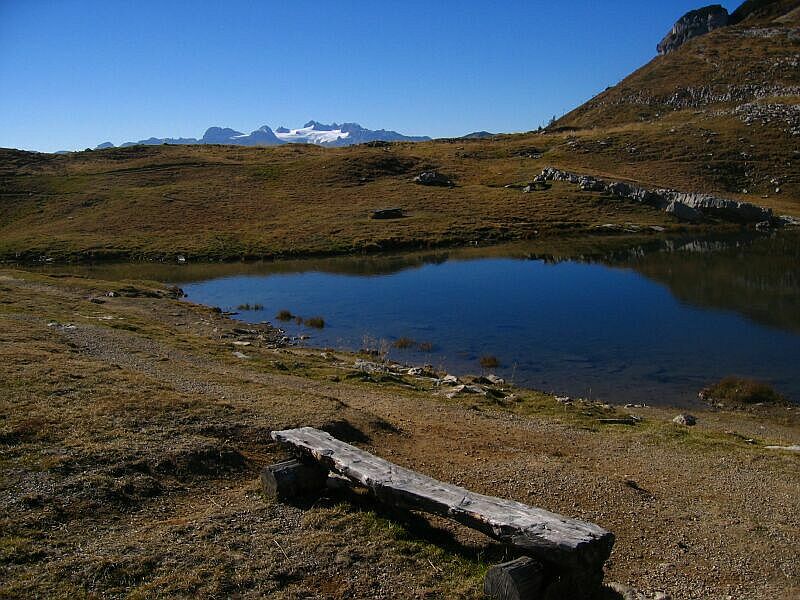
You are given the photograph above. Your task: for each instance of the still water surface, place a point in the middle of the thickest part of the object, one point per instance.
(652, 324)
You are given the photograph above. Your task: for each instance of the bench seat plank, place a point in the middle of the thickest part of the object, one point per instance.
(553, 538)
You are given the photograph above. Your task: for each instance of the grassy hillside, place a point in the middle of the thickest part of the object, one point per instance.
(721, 115)
(220, 201)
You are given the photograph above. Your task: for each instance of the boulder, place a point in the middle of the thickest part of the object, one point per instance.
(682, 212)
(590, 184)
(495, 380)
(448, 380)
(685, 419)
(463, 389)
(729, 210)
(619, 189)
(433, 178)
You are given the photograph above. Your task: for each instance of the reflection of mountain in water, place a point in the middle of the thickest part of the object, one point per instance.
(754, 275)
(759, 278)
(362, 266)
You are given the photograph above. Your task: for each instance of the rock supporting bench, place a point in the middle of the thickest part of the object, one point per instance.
(566, 556)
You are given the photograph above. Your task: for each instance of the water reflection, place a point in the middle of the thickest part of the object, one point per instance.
(755, 275)
(647, 323)
(650, 320)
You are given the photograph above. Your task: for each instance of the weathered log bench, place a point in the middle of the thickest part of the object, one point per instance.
(563, 557)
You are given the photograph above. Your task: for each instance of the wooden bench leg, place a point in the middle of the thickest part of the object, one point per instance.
(520, 579)
(292, 479)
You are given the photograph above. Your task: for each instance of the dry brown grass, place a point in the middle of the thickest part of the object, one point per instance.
(130, 449)
(315, 322)
(404, 343)
(737, 391)
(489, 362)
(215, 201)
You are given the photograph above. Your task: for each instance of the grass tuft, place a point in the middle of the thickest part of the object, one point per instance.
(248, 306)
(489, 361)
(404, 343)
(737, 390)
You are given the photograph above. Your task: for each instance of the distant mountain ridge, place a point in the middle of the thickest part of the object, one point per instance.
(312, 132)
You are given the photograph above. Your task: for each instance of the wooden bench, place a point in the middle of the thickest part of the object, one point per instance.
(564, 556)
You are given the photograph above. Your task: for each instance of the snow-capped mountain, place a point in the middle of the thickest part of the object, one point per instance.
(312, 132)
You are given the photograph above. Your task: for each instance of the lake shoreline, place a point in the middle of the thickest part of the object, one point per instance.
(608, 235)
(143, 417)
(505, 311)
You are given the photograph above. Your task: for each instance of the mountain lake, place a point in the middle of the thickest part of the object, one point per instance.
(650, 324)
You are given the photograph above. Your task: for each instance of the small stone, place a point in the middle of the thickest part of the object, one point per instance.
(685, 419)
(448, 380)
(465, 389)
(241, 355)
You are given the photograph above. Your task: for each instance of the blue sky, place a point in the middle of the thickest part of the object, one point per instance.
(74, 73)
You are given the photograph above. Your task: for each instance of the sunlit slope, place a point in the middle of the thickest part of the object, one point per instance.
(225, 201)
(721, 113)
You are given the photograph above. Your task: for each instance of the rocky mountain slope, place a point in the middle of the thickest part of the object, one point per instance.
(721, 110)
(312, 132)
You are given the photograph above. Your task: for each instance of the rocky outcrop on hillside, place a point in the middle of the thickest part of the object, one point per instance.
(693, 24)
(786, 116)
(690, 207)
